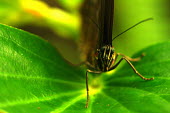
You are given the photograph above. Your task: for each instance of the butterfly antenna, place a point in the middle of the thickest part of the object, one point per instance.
(132, 27)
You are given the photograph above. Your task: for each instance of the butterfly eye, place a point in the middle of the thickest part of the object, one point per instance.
(96, 54)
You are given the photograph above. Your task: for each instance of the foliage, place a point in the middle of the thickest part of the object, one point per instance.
(34, 78)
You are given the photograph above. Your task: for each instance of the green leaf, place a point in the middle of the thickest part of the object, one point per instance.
(34, 78)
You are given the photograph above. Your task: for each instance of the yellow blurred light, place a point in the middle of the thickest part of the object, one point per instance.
(36, 8)
(62, 22)
(95, 86)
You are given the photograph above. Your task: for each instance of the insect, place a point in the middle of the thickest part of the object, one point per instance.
(103, 57)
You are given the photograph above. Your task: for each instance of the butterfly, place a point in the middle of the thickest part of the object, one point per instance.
(96, 44)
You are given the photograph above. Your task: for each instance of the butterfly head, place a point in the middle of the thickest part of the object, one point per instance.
(105, 57)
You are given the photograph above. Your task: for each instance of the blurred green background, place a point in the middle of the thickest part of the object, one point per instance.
(59, 22)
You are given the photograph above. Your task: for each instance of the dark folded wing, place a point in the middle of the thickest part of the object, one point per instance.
(106, 22)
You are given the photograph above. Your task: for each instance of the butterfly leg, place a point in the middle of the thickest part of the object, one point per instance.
(128, 61)
(132, 59)
(87, 86)
(87, 90)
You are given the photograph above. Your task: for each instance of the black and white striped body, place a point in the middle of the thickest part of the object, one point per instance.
(105, 58)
